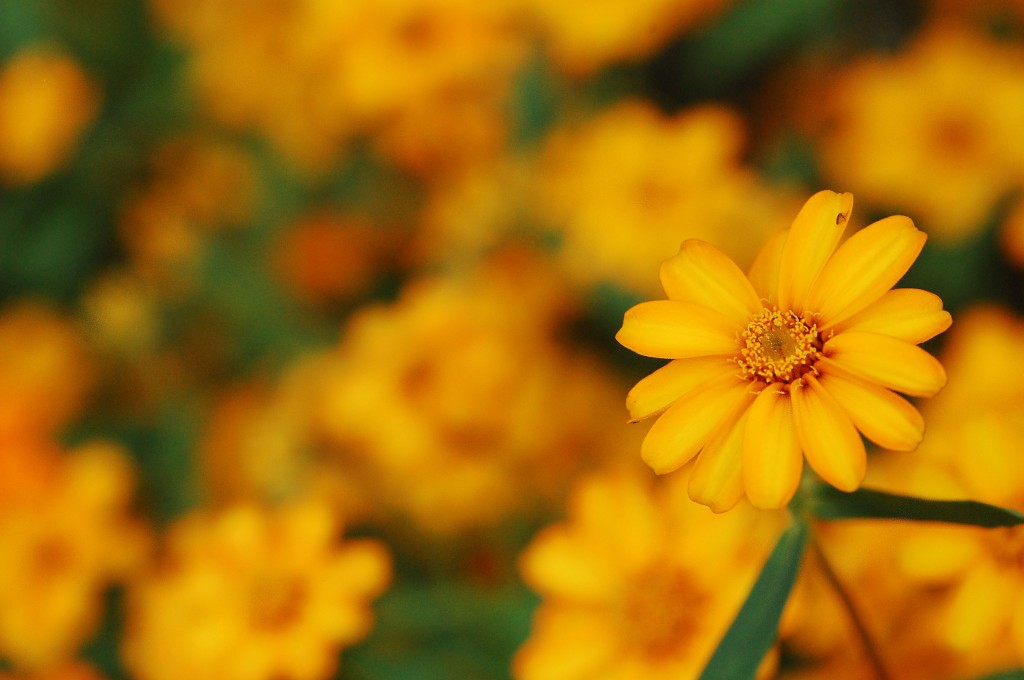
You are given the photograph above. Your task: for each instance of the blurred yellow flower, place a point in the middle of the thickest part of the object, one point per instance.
(617, 188)
(313, 73)
(818, 634)
(429, 78)
(65, 540)
(269, 67)
(787, 363)
(254, 445)
(947, 113)
(121, 315)
(638, 582)
(194, 186)
(941, 602)
(444, 398)
(46, 102)
(972, 451)
(470, 214)
(452, 134)
(253, 594)
(583, 36)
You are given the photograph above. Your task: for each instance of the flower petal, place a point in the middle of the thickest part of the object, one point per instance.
(831, 443)
(764, 272)
(882, 416)
(908, 314)
(557, 564)
(616, 518)
(657, 391)
(812, 238)
(568, 641)
(680, 433)
(887, 361)
(973, 618)
(715, 479)
(703, 274)
(938, 555)
(668, 329)
(868, 264)
(772, 460)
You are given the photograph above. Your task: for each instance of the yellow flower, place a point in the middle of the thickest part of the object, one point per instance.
(787, 363)
(584, 37)
(973, 576)
(250, 594)
(46, 102)
(949, 158)
(616, 220)
(430, 77)
(65, 539)
(443, 399)
(638, 582)
(939, 600)
(468, 215)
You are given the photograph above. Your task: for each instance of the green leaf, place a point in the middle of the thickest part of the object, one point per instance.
(755, 629)
(829, 503)
(1016, 674)
(751, 34)
(443, 629)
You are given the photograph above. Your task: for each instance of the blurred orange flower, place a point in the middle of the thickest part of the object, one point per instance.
(253, 594)
(46, 102)
(787, 363)
(638, 582)
(46, 370)
(1011, 234)
(70, 671)
(326, 257)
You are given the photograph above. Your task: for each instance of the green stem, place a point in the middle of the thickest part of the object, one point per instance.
(870, 650)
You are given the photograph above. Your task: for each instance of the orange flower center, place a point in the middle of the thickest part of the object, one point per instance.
(277, 602)
(778, 346)
(662, 612)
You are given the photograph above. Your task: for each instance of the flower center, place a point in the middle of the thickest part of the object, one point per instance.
(661, 613)
(778, 347)
(277, 602)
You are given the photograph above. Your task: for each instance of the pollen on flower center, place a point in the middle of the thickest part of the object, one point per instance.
(778, 346)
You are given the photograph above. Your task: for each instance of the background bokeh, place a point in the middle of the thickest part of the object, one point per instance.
(307, 366)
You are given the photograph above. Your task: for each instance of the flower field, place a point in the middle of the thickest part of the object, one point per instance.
(516, 340)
